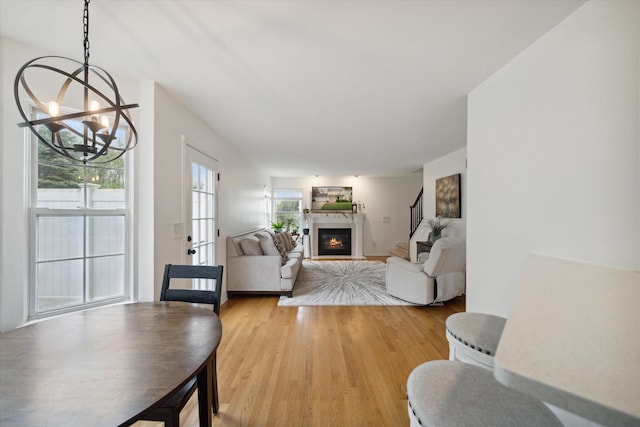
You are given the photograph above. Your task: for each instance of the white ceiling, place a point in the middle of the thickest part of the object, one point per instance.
(331, 88)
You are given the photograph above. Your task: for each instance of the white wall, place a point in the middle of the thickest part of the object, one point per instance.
(553, 149)
(240, 190)
(3, 106)
(144, 187)
(382, 197)
(13, 268)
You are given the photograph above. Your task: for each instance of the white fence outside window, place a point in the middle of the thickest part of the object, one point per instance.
(80, 257)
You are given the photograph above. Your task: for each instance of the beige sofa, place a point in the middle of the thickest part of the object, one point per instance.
(261, 262)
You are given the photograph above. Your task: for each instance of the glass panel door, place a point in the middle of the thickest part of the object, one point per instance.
(201, 209)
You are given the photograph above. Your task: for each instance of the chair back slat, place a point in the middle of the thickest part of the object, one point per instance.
(174, 271)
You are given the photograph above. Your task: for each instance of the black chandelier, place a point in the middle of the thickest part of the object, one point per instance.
(89, 133)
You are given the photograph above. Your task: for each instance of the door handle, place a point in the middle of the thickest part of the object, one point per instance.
(191, 251)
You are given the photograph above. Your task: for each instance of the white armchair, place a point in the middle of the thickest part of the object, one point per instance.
(441, 277)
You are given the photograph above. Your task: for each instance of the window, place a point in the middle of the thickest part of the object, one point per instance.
(287, 208)
(80, 231)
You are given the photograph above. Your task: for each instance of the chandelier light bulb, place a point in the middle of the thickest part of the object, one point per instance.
(94, 106)
(54, 109)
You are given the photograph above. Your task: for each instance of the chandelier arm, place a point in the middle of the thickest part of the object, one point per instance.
(72, 76)
(58, 148)
(57, 143)
(131, 134)
(75, 115)
(32, 96)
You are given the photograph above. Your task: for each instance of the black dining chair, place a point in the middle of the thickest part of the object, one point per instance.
(169, 409)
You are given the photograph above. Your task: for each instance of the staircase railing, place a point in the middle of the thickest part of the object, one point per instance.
(416, 214)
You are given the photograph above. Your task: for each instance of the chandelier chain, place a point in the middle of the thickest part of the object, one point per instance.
(85, 21)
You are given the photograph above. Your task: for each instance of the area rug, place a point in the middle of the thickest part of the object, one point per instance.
(341, 283)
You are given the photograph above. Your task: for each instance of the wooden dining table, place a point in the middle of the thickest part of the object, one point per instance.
(106, 366)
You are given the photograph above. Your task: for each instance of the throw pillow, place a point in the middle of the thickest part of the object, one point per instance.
(251, 246)
(285, 238)
(266, 243)
(277, 241)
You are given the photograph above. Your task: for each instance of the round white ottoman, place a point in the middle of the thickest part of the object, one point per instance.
(449, 394)
(473, 337)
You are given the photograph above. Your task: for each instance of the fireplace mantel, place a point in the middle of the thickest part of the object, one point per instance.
(353, 221)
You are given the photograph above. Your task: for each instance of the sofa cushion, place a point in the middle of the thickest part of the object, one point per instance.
(235, 244)
(266, 243)
(297, 249)
(423, 257)
(295, 254)
(251, 246)
(290, 269)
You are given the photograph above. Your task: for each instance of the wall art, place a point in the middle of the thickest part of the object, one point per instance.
(448, 197)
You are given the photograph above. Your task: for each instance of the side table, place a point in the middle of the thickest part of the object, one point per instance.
(423, 246)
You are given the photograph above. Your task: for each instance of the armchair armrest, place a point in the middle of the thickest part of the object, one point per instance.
(408, 281)
(406, 265)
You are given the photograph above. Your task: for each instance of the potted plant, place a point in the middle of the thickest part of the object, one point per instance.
(288, 222)
(277, 226)
(436, 225)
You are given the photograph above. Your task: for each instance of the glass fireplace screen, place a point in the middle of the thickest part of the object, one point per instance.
(334, 241)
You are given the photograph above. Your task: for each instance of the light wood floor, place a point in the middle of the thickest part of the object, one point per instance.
(320, 366)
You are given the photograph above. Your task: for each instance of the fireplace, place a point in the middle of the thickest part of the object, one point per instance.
(341, 221)
(334, 241)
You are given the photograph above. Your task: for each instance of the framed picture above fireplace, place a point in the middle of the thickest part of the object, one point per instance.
(334, 199)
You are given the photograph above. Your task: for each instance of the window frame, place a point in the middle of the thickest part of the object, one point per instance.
(36, 212)
(274, 215)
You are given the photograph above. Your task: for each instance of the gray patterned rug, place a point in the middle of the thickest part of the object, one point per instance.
(341, 283)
